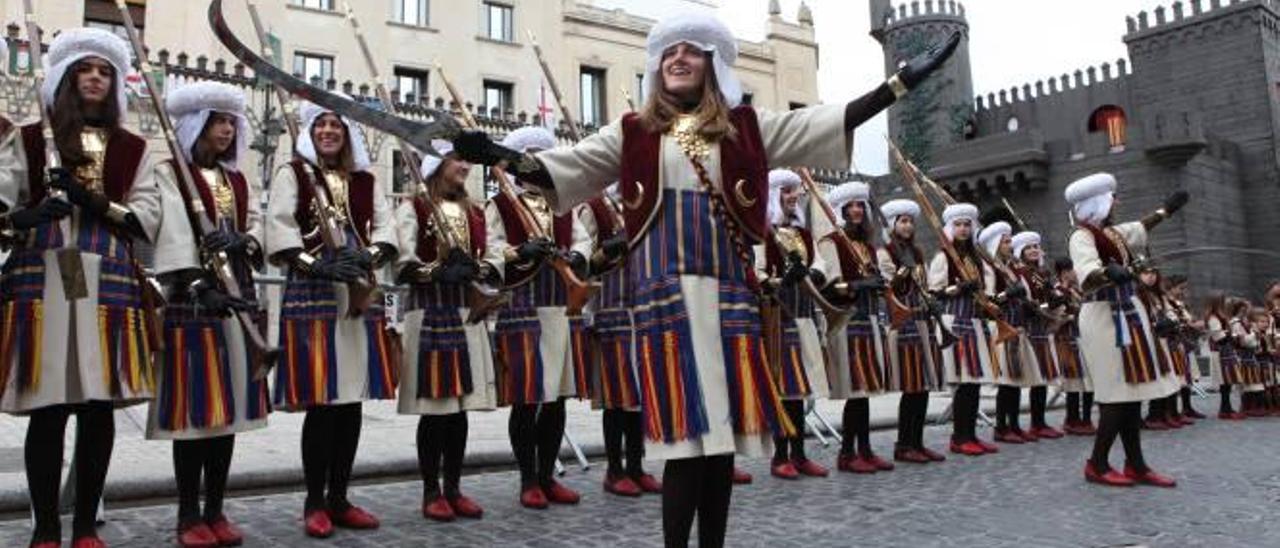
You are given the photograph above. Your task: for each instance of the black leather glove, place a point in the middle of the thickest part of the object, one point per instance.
(971, 286)
(1175, 202)
(62, 179)
(340, 268)
(614, 247)
(1118, 273)
(225, 240)
(459, 268)
(537, 249)
(49, 210)
(796, 271)
(1166, 328)
(921, 66)
(1057, 299)
(869, 283)
(220, 303)
(817, 278)
(578, 264)
(475, 146)
(1015, 291)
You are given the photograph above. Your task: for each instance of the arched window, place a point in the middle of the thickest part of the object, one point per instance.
(1012, 124)
(1111, 119)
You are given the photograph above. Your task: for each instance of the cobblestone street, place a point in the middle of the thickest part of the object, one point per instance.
(1028, 495)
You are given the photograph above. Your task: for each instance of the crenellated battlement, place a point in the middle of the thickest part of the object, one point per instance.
(1180, 14)
(1069, 83)
(910, 12)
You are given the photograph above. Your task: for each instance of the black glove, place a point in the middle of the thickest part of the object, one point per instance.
(921, 66)
(49, 210)
(1118, 273)
(476, 147)
(1057, 299)
(340, 268)
(220, 303)
(614, 247)
(869, 283)
(578, 264)
(1015, 291)
(225, 240)
(971, 286)
(796, 271)
(537, 249)
(935, 309)
(459, 268)
(1175, 202)
(61, 179)
(1166, 328)
(817, 278)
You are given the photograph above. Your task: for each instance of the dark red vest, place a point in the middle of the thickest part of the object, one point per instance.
(359, 199)
(124, 158)
(850, 269)
(775, 261)
(427, 250)
(744, 172)
(1108, 251)
(606, 225)
(239, 186)
(561, 228)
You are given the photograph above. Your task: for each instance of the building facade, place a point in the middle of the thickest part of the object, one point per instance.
(1196, 107)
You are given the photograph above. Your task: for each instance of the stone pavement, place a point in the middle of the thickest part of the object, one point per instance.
(1030, 495)
(269, 458)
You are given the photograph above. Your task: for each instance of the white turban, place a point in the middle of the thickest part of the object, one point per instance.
(897, 208)
(530, 137)
(1091, 198)
(959, 212)
(778, 180)
(707, 34)
(72, 45)
(190, 107)
(309, 113)
(1024, 239)
(432, 163)
(852, 191)
(991, 236)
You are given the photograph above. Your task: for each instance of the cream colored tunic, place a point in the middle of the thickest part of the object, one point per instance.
(554, 345)
(811, 346)
(812, 136)
(484, 393)
(938, 281)
(176, 250)
(934, 381)
(1216, 332)
(1097, 330)
(71, 368)
(838, 376)
(351, 342)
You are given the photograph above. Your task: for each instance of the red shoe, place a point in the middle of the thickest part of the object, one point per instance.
(354, 517)
(621, 486)
(438, 509)
(784, 470)
(1173, 424)
(533, 497)
(1046, 432)
(1256, 413)
(1182, 420)
(464, 507)
(559, 494)
(227, 534)
(1193, 414)
(1028, 436)
(911, 455)
(987, 447)
(880, 464)
(1156, 425)
(196, 535)
(317, 523)
(1008, 436)
(969, 448)
(1071, 428)
(810, 468)
(1149, 477)
(856, 465)
(90, 541)
(1110, 478)
(931, 454)
(1231, 416)
(741, 477)
(1087, 428)
(648, 483)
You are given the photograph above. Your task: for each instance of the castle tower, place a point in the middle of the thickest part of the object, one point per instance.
(934, 115)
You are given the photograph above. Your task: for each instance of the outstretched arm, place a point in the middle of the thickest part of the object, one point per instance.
(859, 110)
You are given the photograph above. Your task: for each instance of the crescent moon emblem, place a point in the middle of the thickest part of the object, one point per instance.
(742, 196)
(635, 205)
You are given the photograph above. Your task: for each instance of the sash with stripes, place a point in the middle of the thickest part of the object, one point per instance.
(865, 370)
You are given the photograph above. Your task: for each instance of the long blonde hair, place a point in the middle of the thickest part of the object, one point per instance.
(661, 109)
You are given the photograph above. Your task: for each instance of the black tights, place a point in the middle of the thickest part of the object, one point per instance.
(1125, 421)
(964, 413)
(856, 424)
(1156, 409)
(1077, 410)
(913, 411)
(95, 436)
(442, 442)
(1008, 407)
(1039, 404)
(1224, 392)
(795, 443)
(330, 436)
(209, 458)
(696, 488)
(536, 431)
(623, 426)
(1186, 400)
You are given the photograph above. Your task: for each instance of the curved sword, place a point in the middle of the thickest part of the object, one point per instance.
(418, 134)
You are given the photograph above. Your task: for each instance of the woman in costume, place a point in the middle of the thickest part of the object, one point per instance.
(1041, 300)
